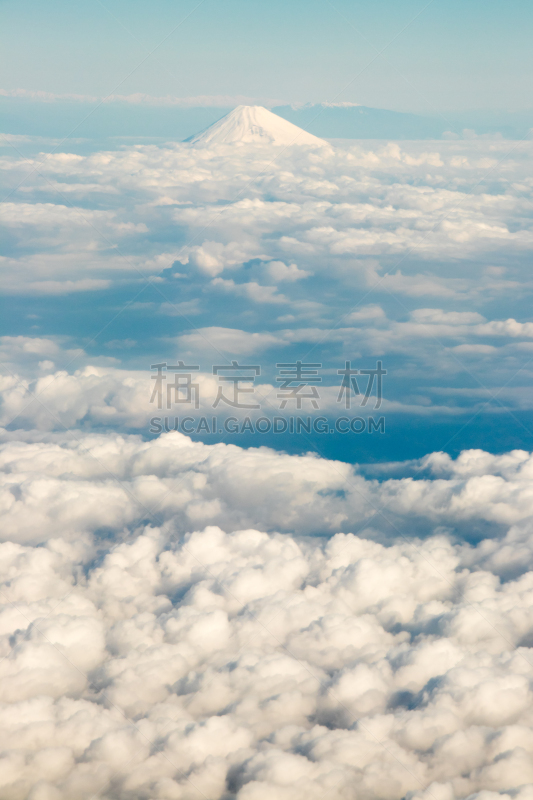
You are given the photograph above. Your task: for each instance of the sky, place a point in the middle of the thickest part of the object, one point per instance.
(266, 415)
(411, 55)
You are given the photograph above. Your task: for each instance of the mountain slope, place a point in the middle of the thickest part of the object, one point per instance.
(254, 125)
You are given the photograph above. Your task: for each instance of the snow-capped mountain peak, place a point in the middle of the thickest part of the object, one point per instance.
(254, 125)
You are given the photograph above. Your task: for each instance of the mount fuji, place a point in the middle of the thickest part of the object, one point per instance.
(254, 125)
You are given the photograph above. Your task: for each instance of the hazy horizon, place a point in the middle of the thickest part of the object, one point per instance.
(412, 56)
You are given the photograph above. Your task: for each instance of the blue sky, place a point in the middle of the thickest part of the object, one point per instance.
(437, 56)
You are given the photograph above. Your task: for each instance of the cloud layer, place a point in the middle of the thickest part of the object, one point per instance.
(417, 254)
(184, 620)
(162, 638)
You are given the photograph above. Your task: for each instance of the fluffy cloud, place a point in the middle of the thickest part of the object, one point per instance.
(279, 271)
(211, 258)
(291, 252)
(184, 620)
(145, 654)
(252, 290)
(349, 201)
(89, 478)
(230, 341)
(47, 386)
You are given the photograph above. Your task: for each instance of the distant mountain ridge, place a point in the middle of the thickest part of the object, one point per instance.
(111, 122)
(361, 122)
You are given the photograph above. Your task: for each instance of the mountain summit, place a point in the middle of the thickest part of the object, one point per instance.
(254, 125)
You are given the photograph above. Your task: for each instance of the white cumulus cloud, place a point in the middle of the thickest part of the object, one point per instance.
(147, 654)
